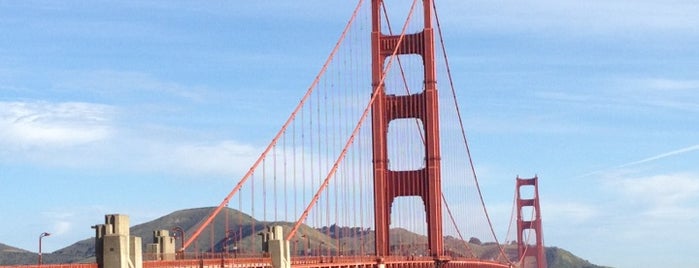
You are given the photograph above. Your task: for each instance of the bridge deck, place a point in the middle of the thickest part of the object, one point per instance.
(300, 262)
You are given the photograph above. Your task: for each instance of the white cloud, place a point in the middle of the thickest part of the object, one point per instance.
(61, 227)
(53, 124)
(567, 212)
(661, 191)
(73, 134)
(61, 221)
(220, 158)
(68, 224)
(663, 198)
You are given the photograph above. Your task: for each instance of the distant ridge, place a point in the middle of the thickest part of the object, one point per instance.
(188, 219)
(8, 249)
(10, 255)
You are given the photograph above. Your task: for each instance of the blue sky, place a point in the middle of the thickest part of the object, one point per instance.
(160, 100)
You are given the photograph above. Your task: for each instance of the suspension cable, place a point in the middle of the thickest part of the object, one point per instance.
(276, 138)
(512, 216)
(453, 221)
(463, 131)
(350, 140)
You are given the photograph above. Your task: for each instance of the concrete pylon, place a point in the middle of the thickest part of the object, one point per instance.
(278, 248)
(114, 246)
(163, 246)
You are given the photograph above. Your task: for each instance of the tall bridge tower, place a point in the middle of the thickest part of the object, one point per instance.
(526, 250)
(422, 106)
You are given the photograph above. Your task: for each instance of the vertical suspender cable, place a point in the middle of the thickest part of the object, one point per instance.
(349, 142)
(463, 132)
(278, 135)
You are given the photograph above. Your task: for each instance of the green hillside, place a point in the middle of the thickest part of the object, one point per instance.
(243, 231)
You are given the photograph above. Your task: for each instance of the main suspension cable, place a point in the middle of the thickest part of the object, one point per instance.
(463, 131)
(279, 134)
(351, 138)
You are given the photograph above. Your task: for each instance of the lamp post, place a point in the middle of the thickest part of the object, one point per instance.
(42, 235)
(296, 247)
(361, 245)
(308, 246)
(234, 235)
(226, 245)
(178, 229)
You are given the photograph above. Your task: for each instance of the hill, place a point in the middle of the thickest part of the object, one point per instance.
(187, 219)
(243, 230)
(557, 257)
(11, 255)
(8, 249)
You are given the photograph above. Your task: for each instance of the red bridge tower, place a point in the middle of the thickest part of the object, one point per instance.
(424, 182)
(526, 250)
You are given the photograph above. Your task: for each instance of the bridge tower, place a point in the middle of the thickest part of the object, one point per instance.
(423, 106)
(526, 250)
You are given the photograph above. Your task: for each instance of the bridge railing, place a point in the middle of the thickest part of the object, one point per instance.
(66, 265)
(201, 255)
(211, 263)
(331, 259)
(312, 261)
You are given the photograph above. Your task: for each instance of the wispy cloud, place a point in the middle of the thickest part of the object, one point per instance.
(73, 134)
(69, 224)
(665, 93)
(577, 17)
(603, 108)
(631, 93)
(661, 156)
(220, 158)
(568, 212)
(127, 85)
(663, 200)
(671, 84)
(53, 124)
(680, 151)
(661, 190)
(639, 208)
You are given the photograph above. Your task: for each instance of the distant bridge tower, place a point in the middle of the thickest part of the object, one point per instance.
(526, 250)
(424, 182)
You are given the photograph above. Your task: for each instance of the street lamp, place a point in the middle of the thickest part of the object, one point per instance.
(308, 246)
(177, 229)
(228, 241)
(40, 237)
(296, 247)
(235, 235)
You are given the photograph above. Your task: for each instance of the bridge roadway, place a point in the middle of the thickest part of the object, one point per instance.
(300, 262)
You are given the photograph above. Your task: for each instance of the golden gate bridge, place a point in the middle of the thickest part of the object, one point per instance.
(374, 159)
